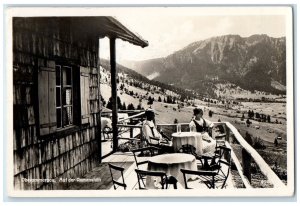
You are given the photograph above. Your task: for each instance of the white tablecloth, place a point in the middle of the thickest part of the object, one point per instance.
(171, 165)
(192, 138)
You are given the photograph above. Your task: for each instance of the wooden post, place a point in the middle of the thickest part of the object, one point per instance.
(247, 158)
(99, 132)
(114, 92)
(131, 129)
(227, 139)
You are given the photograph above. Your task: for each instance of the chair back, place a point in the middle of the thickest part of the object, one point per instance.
(161, 177)
(188, 149)
(115, 182)
(207, 177)
(146, 151)
(223, 153)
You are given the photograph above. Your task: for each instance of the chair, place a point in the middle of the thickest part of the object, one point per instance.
(115, 182)
(220, 163)
(221, 152)
(223, 173)
(161, 178)
(146, 151)
(190, 149)
(107, 133)
(220, 140)
(207, 177)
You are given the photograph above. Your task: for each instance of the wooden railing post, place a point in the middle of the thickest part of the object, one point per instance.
(227, 130)
(247, 158)
(227, 138)
(131, 130)
(246, 161)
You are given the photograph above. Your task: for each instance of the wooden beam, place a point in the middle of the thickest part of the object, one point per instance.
(114, 92)
(99, 133)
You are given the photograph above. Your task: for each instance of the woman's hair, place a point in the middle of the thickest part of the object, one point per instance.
(149, 114)
(198, 111)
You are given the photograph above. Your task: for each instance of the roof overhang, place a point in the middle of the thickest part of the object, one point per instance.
(93, 26)
(110, 27)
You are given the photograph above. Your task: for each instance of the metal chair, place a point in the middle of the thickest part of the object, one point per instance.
(107, 133)
(223, 173)
(220, 140)
(221, 152)
(220, 163)
(207, 177)
(115, 182)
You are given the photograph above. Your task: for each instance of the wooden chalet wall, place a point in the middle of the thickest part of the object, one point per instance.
(38, 43)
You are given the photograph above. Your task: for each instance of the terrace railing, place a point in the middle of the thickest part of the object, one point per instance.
(131, 124)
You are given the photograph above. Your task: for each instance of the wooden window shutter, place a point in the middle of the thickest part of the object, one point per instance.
(47, 100)
(85, 94)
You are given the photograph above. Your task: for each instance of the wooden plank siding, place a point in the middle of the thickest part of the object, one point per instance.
(38, 43)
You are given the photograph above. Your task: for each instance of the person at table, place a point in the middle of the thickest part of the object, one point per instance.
(151, 134)
(204, 126)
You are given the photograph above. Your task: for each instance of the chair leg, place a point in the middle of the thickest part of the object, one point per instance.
(205, 165)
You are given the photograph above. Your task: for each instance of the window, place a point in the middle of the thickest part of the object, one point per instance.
(63, 93)
(64, 96)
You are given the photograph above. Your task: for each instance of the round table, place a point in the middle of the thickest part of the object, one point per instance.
(171, 164)
(192, 138)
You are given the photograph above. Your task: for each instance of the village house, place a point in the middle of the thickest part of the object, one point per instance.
(56, 92)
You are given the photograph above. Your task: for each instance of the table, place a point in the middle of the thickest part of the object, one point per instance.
(192, 138)
(171, 165)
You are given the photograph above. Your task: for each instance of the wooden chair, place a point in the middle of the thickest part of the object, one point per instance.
(161, 177)
(146, 151)
(115, 182)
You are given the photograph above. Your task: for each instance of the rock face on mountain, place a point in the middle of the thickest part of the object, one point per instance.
(257, 62)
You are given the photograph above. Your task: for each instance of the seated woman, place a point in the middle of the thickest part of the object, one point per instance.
(199, 124)
(151, 135)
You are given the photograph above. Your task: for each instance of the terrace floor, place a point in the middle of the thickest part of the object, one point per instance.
(127, 161)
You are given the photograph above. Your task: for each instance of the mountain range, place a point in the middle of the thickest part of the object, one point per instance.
(257, 62)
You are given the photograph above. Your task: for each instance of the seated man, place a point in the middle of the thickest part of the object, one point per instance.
(204, 126)
(152, 136)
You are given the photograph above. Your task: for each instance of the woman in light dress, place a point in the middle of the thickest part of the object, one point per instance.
(199, 124)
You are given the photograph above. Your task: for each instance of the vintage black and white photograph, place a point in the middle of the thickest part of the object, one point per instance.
(185, 101)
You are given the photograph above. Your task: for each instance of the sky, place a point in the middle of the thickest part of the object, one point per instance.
(169, 33)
